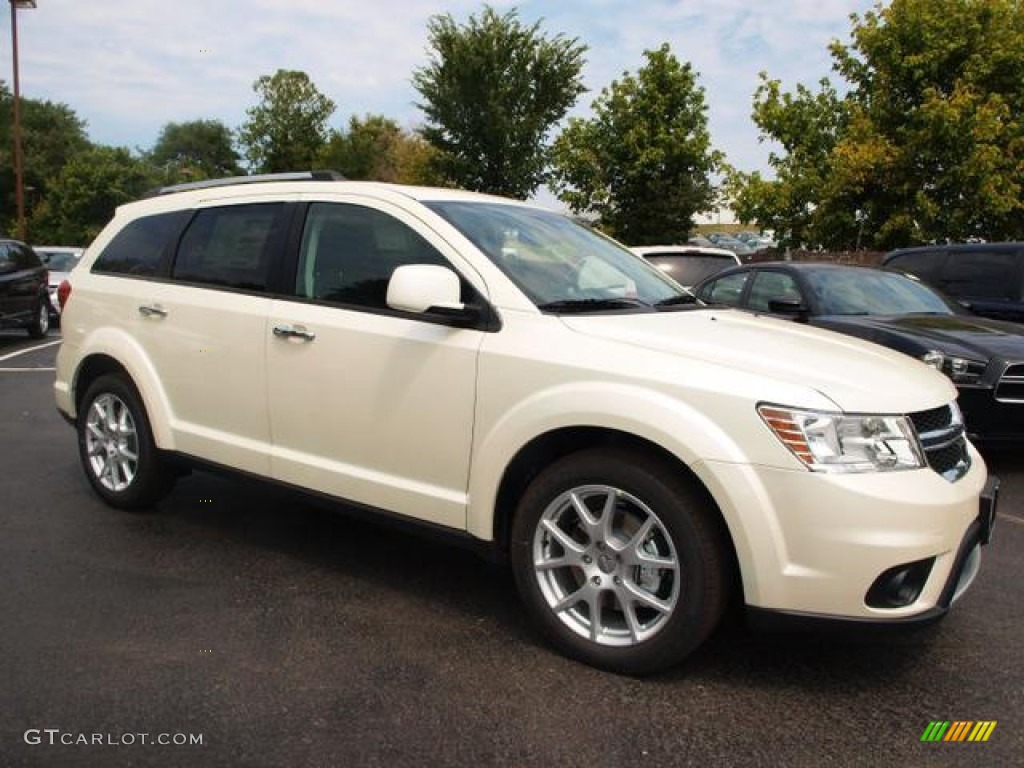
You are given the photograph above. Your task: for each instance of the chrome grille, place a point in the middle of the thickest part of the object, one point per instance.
(1011, 384)
(941, 432)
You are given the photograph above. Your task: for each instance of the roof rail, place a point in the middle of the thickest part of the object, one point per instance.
(256, 179)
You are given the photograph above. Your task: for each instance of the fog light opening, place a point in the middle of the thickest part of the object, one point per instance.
(900, 586)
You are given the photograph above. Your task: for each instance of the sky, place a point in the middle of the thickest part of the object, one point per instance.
(128, 67)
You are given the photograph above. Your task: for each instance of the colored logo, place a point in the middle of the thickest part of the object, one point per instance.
(958, 730)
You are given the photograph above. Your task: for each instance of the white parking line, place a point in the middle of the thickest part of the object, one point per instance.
(12, 355)
(25, 370)
(1012, 518)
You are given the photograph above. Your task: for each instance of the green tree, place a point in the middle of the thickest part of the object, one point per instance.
(643, 163)
(82, 198)
(51, 135)
(194, 150)
(928, 142)
(375, 148)
(288, 128)
(492, 92)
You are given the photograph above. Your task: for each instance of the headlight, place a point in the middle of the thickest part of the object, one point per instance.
(960, 369)
(836, 442)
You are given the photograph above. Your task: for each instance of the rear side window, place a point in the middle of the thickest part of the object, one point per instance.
(981, 274)
(229, 247)
(140, 246)
(924, 264)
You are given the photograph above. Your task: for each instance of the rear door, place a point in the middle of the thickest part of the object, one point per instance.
(203, 326)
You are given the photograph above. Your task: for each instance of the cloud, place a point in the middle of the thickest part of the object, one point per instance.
(130, 66)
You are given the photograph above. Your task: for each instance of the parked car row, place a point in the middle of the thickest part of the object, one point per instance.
(29, 279)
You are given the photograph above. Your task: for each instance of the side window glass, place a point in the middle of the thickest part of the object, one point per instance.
(24, 257)
(6, 259)
(771, 286)
(139, 247)
(229, 246)
(981, 274)
(348, 253)
(728, 290)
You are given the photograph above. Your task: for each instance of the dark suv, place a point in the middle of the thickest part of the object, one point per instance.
(24, 300)
(987, 277)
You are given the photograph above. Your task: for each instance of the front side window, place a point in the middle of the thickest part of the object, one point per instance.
(139, 247)
(727, 290)
(229, 246)
(560, 265)
(349, 252)
(772, 286)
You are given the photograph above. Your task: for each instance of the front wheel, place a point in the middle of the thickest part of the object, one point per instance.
(116, 447)
(620, 562)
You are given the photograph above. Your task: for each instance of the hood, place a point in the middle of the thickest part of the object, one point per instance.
(856, 375)
(968, 336)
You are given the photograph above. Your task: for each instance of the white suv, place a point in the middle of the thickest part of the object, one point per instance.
(492, 369)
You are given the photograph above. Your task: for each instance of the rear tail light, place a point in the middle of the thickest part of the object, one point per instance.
(63, 294)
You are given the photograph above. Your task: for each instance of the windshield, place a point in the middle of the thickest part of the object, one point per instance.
(559, 264)
(873, 292)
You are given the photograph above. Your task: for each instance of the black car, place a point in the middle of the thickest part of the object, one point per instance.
(24, 299)
(986, 277)
(983, 357)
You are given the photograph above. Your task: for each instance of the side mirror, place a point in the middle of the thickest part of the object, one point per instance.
(424, 288)
(794, 307)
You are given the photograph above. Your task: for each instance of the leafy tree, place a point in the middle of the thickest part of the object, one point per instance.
(806, 126)
(928, 143)
(491, 93)
(199, 149)
(82, 198)
(288, 128)
(375, 148)
(51, 135)
(643, 162)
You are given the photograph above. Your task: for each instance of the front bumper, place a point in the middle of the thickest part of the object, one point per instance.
(988, 419)
(961, 576)
(813, 545)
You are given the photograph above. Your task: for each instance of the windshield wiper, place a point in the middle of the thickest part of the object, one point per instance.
(682, 298)
(591, 305)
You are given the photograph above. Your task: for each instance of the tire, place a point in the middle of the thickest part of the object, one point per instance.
(622, 536)
(116, 448)
(40, 323)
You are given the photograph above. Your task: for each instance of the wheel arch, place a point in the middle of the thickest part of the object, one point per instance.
(127, 361)
(551, 446)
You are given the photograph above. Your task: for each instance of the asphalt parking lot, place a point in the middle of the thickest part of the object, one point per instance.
(284, 634)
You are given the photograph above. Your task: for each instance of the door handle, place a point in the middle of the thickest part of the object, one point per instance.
(154, 310)
(293, 332)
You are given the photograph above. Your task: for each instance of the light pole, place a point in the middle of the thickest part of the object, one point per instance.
(19, 171)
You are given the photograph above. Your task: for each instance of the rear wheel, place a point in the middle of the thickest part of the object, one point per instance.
(621, 563)
(39, 326)
(116, 447)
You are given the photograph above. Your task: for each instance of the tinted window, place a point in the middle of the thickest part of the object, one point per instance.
(229, 246)
(873, 292)
(348, 253)
(981, 274)
(692, 268)
(924, 264)
(772, 286)
(6, 259)
(24, 257)
(728, 290)
(138, 248)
